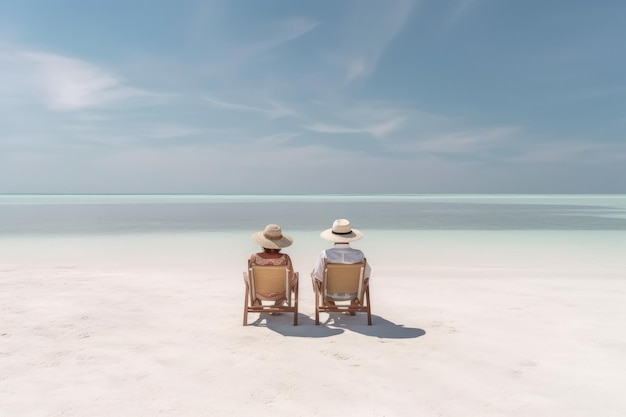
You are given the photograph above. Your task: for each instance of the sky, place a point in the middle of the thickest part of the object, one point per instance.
(299, 97)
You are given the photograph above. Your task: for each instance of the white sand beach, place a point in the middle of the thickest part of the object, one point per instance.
(464, 324)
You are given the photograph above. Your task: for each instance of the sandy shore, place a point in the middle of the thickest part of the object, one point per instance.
(465, 324)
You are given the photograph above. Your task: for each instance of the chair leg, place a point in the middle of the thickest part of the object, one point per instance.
(245, 307)
(295, 313)
(316, 290)
(317, 307)
(369, 310)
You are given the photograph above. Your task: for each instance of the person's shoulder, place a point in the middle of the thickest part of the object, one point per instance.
(255, 256)
(358, 252)
(351, 249)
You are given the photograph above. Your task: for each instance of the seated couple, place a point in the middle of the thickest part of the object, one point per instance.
(272, 240)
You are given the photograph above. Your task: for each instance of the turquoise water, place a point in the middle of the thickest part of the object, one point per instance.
(115, 214)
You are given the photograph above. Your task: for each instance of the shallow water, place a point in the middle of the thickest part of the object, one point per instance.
(129, 214)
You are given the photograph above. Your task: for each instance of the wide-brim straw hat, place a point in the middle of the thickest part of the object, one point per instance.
(342, 232)
(272, 237)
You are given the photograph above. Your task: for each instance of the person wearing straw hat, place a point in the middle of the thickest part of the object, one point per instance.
(341, 234)
(273, 240)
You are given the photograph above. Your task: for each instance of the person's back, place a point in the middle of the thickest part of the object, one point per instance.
(341, 234)
(341, 253)
(262, 259)
(272, 240)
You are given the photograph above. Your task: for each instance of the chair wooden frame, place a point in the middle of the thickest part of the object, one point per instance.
(269, 279)
(342, 279)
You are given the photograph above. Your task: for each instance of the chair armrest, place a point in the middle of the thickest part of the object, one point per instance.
(295, 282)
(317, 285)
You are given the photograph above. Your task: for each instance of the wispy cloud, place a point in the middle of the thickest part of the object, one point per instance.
(356, 68)
(465, 142)
(274, 140)
(283, 31)
(376, 130)
(572, 151)
(369, 32)
(171, 131)
(72, 84)
(229, 57)
(489, 142)
(599, 93)
(62, 83)
(290, 29)
(459, 12)
(274, 111)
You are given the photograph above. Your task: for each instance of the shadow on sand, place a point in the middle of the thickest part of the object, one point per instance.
(336, 324)
(283, 324)
(381, 328)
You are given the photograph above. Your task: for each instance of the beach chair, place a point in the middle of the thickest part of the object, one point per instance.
(340, 285)
(268, 284)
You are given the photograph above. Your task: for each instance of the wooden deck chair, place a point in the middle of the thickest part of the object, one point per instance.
(269, 283)
(341, 284)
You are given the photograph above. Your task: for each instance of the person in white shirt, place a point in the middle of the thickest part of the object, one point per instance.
(341, 234)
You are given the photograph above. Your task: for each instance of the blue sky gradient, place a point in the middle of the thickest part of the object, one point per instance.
(275, 97)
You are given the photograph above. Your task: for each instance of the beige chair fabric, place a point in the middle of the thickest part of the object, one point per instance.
(341, 284)
(269, 284)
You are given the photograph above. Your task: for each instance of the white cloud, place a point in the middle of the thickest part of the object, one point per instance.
(572, 151)
(171, 131)
(228, 58)
(69, 84)
(292, 28)
(459, 11)
(376, 130)
(61, 83)
(357, 67)
(599, 93)
(370, 30)
(274, 140)
(274, 111)
(465, 142)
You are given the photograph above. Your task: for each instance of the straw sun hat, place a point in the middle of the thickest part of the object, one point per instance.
(341, 232)
(272, 237)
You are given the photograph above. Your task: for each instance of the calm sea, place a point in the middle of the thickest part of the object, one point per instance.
(119, 214)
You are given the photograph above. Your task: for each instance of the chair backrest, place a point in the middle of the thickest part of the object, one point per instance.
(344, 278)
(269, 280)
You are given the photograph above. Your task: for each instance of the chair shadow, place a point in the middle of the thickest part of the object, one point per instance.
(334, 325)
(283, 324)
(381, 328)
